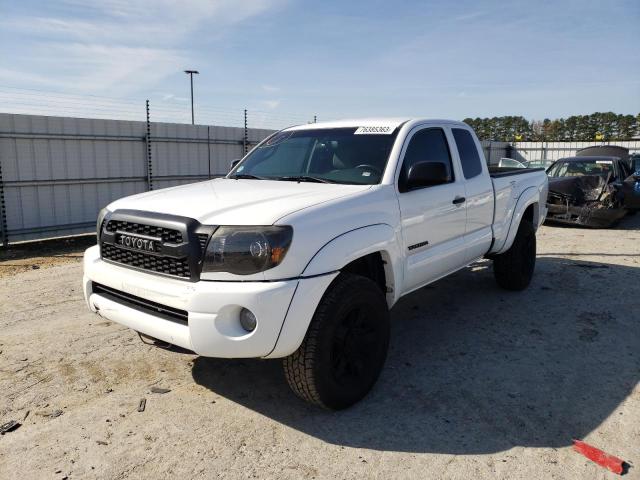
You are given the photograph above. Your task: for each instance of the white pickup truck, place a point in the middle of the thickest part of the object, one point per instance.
(302, 249)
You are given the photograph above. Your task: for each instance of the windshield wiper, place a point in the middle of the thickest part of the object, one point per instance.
(305, 178)
(247, 176)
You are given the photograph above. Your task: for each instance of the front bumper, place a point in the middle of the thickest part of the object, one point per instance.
(593, 215)
(283, 309)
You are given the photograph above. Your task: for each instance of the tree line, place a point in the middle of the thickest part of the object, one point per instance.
(597, 126)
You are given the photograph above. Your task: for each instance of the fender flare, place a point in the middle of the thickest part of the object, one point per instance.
(324, 267)
(357, 243)
(529, 196)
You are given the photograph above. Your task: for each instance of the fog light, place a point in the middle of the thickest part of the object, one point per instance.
(248, 320)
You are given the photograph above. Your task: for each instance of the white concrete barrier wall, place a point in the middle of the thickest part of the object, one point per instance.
(57, 172)
(551, 151)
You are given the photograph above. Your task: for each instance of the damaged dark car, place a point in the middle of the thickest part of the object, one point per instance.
(592, 191)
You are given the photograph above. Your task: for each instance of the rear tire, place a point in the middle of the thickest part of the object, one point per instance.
(345, 347)
(514, 268)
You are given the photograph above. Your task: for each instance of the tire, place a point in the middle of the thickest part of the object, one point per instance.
(514, 268)
(345, 347)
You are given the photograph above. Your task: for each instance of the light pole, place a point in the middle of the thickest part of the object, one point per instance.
(190, 73)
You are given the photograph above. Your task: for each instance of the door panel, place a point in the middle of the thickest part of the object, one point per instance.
(433, 226)
(433, 230)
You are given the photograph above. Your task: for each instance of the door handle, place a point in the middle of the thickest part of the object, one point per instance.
(459, 200)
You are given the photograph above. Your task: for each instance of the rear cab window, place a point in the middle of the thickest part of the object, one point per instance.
(468, 153)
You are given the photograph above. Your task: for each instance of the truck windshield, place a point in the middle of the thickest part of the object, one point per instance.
(332, 155)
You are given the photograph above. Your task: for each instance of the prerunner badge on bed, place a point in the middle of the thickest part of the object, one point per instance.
(375, 130)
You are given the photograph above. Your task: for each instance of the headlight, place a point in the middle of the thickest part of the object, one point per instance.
(246, 250)
(101, 215)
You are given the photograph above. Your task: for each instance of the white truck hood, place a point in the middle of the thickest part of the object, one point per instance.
(225, 201)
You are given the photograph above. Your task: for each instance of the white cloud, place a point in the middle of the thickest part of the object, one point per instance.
(115, 47)
(270, 88)
(176, 12)
(97, 68)
(171, 97)
(470, 16)
(271, 103)
(17, 77)
(96, 30)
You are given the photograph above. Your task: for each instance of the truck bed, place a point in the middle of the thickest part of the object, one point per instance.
(496, 171)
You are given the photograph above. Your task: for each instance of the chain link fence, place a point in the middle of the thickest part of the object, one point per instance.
(163, 108)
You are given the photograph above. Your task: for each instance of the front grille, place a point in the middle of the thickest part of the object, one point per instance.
(168, 235)
(155, 243)
(202, 238)
(178, 267)
(141, 304)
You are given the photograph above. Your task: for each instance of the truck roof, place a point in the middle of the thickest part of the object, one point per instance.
(392, 122)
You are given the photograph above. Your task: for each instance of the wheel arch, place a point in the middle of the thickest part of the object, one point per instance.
(528, 208)
(371, 251)
(370, 244)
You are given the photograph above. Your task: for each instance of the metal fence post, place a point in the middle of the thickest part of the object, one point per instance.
(489, 151)
(209, 150)
(148, 143)
(245, 140)
(4, 234)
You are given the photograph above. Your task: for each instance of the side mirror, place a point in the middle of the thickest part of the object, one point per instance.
(427, 174)
(234, 163)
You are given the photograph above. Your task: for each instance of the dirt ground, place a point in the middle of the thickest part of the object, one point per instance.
(479, 383)
(36, 255)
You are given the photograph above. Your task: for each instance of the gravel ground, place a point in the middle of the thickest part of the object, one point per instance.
(479, 383)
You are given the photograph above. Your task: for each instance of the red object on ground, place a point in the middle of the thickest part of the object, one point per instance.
(596, 455)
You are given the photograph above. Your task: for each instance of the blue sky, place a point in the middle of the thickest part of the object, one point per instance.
(335, 59)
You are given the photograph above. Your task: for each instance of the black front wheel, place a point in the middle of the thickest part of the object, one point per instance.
(346, 345)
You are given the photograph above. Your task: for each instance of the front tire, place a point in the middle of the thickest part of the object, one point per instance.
(345, 347)
(514, 268)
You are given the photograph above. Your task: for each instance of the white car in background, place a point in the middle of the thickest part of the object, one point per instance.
(510, 163)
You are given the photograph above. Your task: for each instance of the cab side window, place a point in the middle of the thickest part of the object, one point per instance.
(428, 145)
(469, 157)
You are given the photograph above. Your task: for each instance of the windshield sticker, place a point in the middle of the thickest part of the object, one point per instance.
(605, 162)
(375, 130)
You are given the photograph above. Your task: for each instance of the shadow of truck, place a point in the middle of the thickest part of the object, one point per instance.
(474, 369)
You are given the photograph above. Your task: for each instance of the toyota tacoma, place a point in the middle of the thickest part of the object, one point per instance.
(302, 248)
